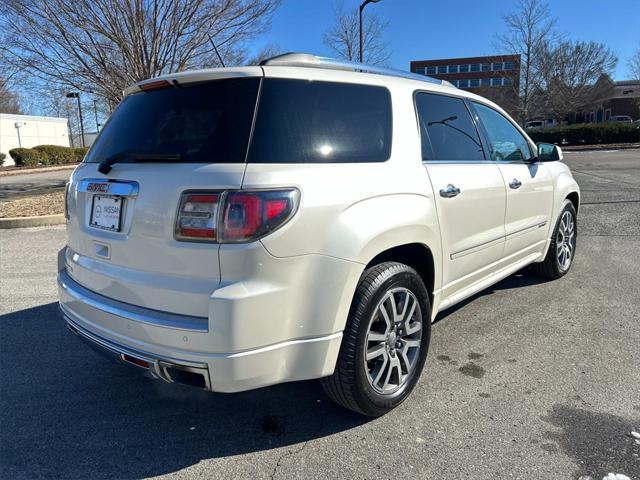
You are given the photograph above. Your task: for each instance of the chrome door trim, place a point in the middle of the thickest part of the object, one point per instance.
(523, 230)
(477, 247)
(109, 187)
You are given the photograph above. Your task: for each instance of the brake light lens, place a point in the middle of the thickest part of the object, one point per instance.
(197, 217)
(244, 215)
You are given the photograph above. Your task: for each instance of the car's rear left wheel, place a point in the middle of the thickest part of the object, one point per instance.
(385, 341)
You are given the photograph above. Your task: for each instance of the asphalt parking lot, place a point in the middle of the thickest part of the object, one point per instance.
(16, 186)
(530, 379)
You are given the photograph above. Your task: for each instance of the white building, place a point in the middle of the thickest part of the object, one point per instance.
(28, 131)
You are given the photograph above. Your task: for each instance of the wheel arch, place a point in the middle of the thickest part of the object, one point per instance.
(415, 255)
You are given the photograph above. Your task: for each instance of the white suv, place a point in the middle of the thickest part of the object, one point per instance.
(306, 218)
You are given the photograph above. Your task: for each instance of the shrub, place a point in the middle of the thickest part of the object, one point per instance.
(80, 152)
(26, 156)
(589, 133)
(2, 157)
(56, 154)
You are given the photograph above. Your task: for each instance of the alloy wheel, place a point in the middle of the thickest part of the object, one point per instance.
(566, 241)
(393, 340)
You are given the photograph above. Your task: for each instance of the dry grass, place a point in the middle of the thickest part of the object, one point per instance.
(48, 204)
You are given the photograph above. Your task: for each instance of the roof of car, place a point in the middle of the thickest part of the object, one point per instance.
(312, 67)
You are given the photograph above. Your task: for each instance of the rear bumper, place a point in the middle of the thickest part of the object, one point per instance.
(125, 333)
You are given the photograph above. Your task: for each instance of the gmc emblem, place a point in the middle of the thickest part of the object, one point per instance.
(98, 187)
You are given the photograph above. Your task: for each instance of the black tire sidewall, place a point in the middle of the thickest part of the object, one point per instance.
(372, 402)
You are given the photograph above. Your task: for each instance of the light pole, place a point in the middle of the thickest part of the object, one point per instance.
(95, 112)
(364, 4)
(76, 95)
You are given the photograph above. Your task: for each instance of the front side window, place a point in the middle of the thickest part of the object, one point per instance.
(507, 143)
(446, 128)
(299, 121)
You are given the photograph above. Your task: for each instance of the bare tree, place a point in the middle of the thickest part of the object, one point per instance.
(568, 72)
(9, 101)
(528, 27)
(104, 45)
(343, 37)
(633, 64)
(268, 51)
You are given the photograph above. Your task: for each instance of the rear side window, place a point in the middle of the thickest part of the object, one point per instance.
(446, 129)
(208, 122)
(300, 121)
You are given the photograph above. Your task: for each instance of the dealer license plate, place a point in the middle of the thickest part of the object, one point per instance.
(106, 212)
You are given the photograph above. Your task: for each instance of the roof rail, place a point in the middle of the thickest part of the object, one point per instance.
(294, 59)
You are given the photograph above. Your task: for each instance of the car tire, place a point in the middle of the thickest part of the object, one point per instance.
(565, 234)
(374, 386)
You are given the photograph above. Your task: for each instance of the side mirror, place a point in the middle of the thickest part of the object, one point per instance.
(547, 152)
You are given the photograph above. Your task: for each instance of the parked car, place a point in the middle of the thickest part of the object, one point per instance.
(537, 124)
(307, 218)
(621, 118)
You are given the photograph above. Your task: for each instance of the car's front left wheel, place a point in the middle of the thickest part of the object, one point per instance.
(385, 341)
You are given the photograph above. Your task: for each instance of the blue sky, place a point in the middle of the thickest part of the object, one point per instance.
(423, 29)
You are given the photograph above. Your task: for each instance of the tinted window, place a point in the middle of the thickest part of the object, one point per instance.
(442, 69)
(431, 70)
(321, 122)
(506, 140)
(445, 125)
(206, 122)
(464, 68)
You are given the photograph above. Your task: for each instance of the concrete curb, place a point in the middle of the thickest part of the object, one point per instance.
(39, 221)
(26, 171)
(596, 148)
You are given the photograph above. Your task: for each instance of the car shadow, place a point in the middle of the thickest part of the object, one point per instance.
(69, 413)
(522, 278)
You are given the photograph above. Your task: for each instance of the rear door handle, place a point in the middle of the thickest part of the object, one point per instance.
(450, 191)
(515, 183)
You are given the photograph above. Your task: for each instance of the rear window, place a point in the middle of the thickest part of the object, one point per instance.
(300, 121)
(207, 122)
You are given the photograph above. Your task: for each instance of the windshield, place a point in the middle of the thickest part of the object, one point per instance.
(206, 122)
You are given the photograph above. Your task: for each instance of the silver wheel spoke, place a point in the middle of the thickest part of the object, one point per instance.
(381, 370)
(376, 351)
(384, 313)
(376, 337)
(408, 343)
(405, 360)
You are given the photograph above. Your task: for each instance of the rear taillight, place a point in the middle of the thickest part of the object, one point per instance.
(234, 216)
(198, 216)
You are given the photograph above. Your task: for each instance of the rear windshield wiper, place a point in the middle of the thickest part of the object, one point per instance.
(105, 165)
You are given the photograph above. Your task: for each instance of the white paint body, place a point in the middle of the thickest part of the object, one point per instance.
(274, 310)
(27, 131)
